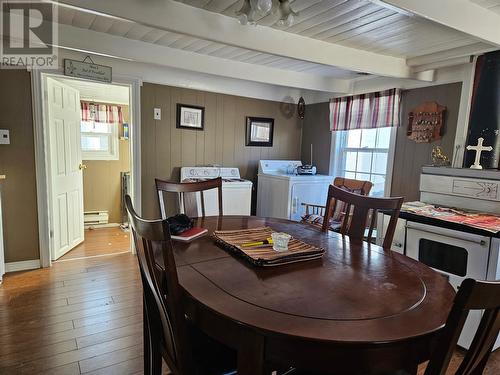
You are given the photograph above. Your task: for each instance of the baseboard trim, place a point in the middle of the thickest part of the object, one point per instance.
(22, 265)
(97, 226)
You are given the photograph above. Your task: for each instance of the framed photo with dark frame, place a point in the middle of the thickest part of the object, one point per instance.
(259, 131)
(190, 117)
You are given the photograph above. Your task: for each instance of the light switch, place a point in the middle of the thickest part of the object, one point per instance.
(157, 113)
(4, 137)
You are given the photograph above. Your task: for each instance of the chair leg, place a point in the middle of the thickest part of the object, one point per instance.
(147, 342)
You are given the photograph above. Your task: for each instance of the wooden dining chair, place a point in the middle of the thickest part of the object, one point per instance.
(187, 192)
(472, 295)
(360, 213)
(314, 213)
(167, 333)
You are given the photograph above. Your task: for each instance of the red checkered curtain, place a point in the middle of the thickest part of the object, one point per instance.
(101, 113)
(365, 111)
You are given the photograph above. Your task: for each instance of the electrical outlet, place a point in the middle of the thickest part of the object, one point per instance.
(4, 137)
(157, 113)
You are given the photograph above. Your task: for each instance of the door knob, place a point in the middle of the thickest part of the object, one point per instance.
(82, 167)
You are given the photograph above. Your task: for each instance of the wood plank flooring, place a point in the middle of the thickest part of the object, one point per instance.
(100, 241)
(82, 317)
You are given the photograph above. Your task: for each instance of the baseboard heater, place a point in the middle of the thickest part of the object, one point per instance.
(91, 218)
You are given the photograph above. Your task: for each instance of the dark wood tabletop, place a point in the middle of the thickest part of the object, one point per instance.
(358, 309)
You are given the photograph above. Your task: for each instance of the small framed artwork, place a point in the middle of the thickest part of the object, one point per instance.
(190, 117)
(260, 131)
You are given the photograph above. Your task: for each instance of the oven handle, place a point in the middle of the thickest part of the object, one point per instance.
(480, 242)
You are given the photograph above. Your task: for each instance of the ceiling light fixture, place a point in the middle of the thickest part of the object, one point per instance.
(251, 9)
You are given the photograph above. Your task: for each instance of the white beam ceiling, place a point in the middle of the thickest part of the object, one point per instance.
(180, 18)
(461, 15)
(101, 43)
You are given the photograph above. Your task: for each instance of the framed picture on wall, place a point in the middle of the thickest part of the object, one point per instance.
(190, 117)
(259, 131)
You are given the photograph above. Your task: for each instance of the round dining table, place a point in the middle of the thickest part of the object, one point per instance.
(359, 309)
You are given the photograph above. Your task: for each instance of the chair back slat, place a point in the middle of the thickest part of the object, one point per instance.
(187, 192)
(162, 295)
(472, 295)
(356, 217)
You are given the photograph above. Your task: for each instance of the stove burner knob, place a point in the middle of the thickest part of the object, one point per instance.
(205, 173)
(192, 172)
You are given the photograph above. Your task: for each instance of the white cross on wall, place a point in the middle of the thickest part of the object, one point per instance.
(479, 148)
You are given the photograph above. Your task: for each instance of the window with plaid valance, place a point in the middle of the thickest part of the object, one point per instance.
(365, 111)
(98, 112)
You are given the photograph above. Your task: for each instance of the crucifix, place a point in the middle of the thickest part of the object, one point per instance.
(479, 148)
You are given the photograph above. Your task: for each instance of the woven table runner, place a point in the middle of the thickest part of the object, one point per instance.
(264, 255)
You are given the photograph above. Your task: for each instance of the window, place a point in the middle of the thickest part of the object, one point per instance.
(99, 140)
(363, 154)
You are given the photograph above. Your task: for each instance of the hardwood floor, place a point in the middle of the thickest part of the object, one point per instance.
(100, 241)
(81, 317)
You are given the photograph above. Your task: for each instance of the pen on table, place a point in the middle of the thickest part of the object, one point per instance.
(267, 241)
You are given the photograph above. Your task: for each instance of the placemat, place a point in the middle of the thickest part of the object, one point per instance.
(265, 256)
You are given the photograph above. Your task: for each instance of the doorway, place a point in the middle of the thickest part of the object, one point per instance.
(88, 130)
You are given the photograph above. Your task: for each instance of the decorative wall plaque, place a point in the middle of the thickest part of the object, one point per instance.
(425, 122)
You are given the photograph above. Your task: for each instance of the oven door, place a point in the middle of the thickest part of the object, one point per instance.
(456, 255)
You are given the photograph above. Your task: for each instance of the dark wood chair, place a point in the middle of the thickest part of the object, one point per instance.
(472, 295)
(167, 332)
(360, 213)
(187, 195)
(314, 213)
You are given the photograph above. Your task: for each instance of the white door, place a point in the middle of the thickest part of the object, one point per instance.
(65, 156)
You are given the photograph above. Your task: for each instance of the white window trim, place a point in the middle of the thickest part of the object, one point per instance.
(335, 162)
(113, 154)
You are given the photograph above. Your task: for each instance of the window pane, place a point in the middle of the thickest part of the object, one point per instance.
(384, 137)
(96, 127)
(95, 143)
(350, 175)
(379, 162)
(378, 185)
(362, 176)
(350, 161)
(353, 138)
(368, 138)
(364, 162)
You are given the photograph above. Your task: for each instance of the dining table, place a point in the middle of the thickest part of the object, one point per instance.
(360, 309)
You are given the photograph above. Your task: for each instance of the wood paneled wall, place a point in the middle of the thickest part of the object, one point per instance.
(410, 157)
(17, 162)
(165, 148)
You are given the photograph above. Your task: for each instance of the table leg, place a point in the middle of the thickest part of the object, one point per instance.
(251, 355)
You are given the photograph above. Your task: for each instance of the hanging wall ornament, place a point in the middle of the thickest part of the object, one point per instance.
(425, 122)
(301, 108)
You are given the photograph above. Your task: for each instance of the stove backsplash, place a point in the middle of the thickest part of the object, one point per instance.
(485, 112)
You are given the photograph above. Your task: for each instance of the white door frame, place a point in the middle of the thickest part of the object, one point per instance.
(43, 185)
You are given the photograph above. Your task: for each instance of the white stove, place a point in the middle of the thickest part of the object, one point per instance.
(236, 192)
(281, 191)
(457, 252)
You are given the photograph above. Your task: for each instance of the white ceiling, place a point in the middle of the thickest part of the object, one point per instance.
(357, 23)
(330, 44)
(99, 92)
(493, 5)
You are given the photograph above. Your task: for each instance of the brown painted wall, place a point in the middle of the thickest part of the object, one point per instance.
(101, 180)
(17, 161)
(316, 130)
(411, 156)
(165, 149)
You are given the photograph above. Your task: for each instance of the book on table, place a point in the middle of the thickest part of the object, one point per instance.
(190, 234)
